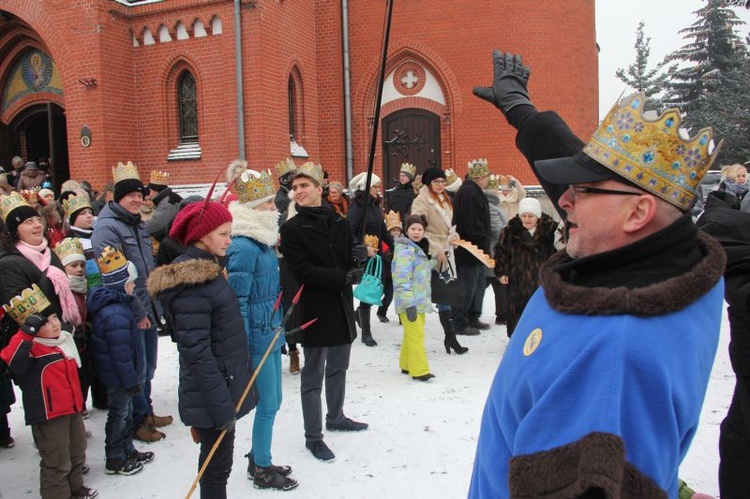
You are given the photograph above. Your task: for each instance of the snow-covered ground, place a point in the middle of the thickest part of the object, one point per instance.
(420, 444)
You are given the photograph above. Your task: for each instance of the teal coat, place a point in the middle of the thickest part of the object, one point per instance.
(411, 277)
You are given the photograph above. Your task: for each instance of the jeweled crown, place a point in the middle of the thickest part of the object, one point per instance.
(124, 171)
(478, 168)
(653, 153)
(67, 247)
(408, 168)
(285, 167)
(371, 241)
(492, 183)
(159, 177)
(393, 220)
(312, 170)
(30, 301)
(74, 203)
(10, 202)
(111, 260)
(249, 187)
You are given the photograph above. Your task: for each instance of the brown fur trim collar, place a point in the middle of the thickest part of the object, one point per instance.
(187, 273)
(665, 297)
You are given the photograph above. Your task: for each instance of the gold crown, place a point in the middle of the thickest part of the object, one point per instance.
(408, 168)
(69, 246)
(450, 176)
(74, 203)
(652, 153)
(312, 170)
(478, 168)
(249, 187)
(159, 177)
(124, 171)
(504, 181)
(417, 182)
(493, 183)
(30, 301)
(371, 241)
(285, 167)
(392, 220)
(10, 202)
(111, 260)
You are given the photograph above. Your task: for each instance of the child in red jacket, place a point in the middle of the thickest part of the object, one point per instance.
(43, 360)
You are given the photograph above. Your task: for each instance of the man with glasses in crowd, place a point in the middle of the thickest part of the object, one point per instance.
(601, 386)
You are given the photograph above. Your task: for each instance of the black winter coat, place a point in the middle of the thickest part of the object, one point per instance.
(471, 216)
(374, 226)
(317, 247)
(204, 315)
(399, 199)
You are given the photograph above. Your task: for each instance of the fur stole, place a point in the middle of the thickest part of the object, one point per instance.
(261, 226)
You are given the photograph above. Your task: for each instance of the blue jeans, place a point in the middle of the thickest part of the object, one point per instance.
(473, 277)
(118, 440)
(268, 383)
(142, 402)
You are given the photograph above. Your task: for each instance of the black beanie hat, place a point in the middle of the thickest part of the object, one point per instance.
(18, 216)
(126, 186)
(431, 174)
(156, 187)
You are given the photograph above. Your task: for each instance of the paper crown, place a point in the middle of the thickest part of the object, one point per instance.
(111, 260)
(408, 168)
(159, 177)
(69, 247)
(493, 183)
(503, 181)
(125, 171)
(417, 182)
(311, 170)
(74, 203)
(30, 301)
(393, 220)
(478, 168)
(371, 241)
(450, 176)
(10, 202)
(250, 188)
(285, 167)
(652, 153)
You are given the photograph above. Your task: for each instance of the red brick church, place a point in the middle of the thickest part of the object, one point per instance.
(186, 86)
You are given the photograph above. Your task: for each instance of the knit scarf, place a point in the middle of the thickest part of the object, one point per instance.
(738, 190)
(78, 283)
(41, 256)
(65, 343)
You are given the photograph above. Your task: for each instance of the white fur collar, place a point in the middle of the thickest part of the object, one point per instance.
(262, 226)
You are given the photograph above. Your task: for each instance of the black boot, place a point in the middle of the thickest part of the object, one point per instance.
(450, 340)
(364, 322)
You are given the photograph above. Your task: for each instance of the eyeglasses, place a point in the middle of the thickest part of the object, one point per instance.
(585, 189)
(439, 181)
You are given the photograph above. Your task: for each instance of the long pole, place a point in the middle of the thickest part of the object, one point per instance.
(376, 122)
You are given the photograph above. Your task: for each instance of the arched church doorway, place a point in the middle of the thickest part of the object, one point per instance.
(413, 136)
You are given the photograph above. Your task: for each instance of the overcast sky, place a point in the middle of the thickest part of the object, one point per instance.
(616, 24)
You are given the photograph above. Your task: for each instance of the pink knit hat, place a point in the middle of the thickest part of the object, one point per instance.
(198, 219)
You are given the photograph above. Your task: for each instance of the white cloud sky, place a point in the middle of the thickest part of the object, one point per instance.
(616, 24)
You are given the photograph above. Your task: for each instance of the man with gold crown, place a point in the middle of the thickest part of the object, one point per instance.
(601, 386)
(165, 202)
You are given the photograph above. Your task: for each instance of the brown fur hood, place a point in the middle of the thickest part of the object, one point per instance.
(662, 298)
(187, 273)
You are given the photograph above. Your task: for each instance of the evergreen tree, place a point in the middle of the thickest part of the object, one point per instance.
(638, 76)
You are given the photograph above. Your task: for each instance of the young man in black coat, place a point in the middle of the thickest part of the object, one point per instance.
(317, 247)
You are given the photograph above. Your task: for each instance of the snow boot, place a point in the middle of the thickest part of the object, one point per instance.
(270, 478)
(364, 321)
(294, 362)
(450, 340)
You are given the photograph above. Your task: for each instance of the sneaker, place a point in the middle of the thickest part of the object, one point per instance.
(7, 442)
(158, 421)
(147, 433)
(85, 493)
(469, 331)
(142, 457)
(346, 425)
(476, 324)
(269, 478)
(125, 467)
(282, 470)
(321, 451)
(424, 377)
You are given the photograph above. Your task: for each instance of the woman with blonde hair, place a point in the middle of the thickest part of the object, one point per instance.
(735, 180)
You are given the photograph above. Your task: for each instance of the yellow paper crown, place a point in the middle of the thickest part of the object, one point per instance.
(493, 182)
(74, 203)
(285, 167)
(371, 241)
(652, 153)
(504, 181)
(111, 260)
(68, 247)
(312, 170)
(10, 202)
(125, 171)
(393, 220)
(408, 168)
(30, 301)
(450, 176)
(478, 168)
(159, 177)
(249, 187)
(417, 182)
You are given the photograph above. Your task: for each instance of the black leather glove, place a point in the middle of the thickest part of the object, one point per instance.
(508, 88)
(359, 252)
(134, 390)
(354, 276)
(229, 426)
(33, 324)
(411, 314)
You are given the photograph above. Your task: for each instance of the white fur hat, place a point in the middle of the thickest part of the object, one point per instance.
(530, 205)
(359, 181)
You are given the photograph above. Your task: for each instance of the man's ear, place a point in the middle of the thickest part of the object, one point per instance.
(641, 213)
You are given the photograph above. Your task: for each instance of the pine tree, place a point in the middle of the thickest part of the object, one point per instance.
(638, 76)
